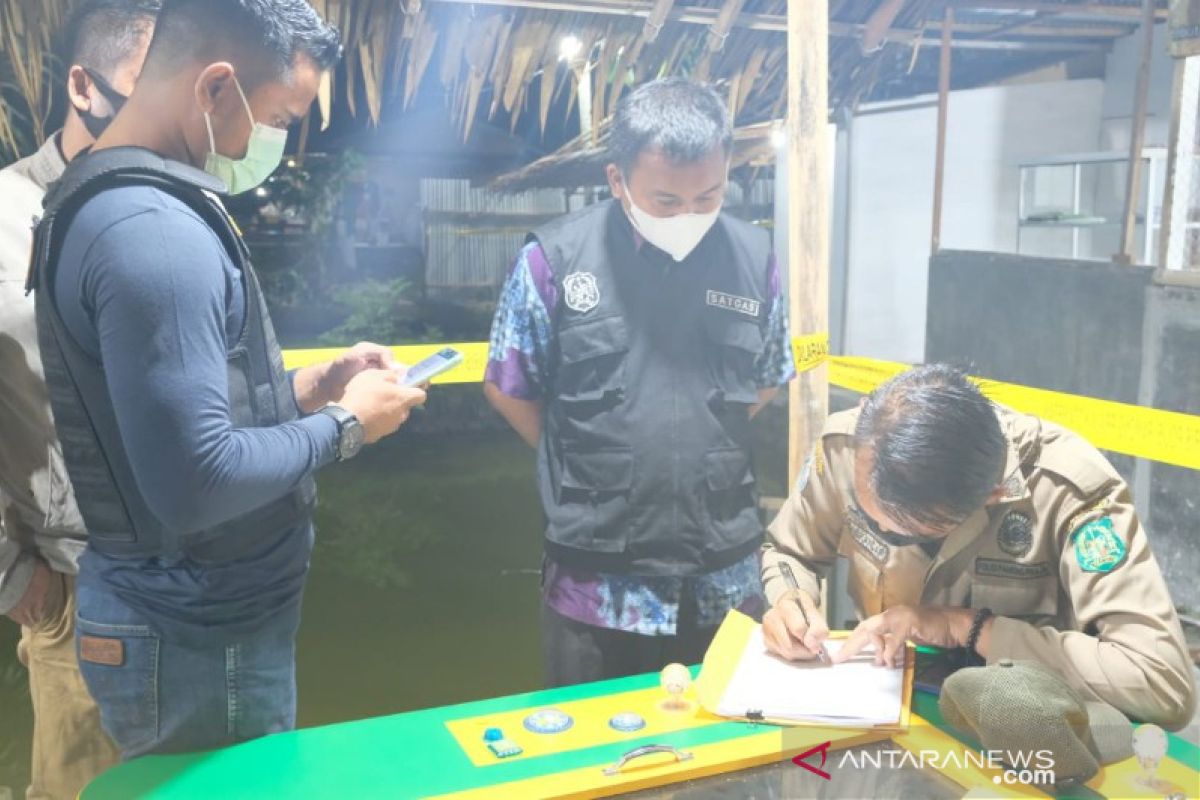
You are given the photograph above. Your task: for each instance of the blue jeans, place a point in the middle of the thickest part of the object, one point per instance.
(157, 695)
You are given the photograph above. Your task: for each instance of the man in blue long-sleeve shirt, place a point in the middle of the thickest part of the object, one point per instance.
(189, 591)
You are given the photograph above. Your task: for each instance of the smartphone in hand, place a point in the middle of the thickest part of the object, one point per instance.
(441, 361)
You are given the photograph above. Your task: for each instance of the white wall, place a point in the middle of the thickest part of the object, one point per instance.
(1120, 82)
(890, 206)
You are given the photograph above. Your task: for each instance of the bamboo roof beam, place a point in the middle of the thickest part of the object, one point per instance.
(718, 32)
(697, 15)
(1090, 10)
(655, 21)
(878, 25)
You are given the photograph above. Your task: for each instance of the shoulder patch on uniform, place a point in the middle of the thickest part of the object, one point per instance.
(1093, 512)
(1098, 548)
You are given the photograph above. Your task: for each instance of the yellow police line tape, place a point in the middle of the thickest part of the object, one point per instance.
(1164, 436)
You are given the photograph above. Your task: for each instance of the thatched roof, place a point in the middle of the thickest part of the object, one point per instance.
(580, 163)
(493, 56)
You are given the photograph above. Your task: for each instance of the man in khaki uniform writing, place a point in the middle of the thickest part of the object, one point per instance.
(969, 525)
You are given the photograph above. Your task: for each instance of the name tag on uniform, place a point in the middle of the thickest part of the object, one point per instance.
(742, 305)
(997, 568)
(865, 538)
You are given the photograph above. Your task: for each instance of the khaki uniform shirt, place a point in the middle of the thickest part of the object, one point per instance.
(38, 516)
(1061, 559)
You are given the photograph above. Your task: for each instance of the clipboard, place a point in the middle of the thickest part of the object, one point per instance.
(724, 655)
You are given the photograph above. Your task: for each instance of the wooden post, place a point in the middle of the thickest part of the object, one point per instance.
(808, 214)
(1133, 177)
(1180, 185)
(943, 108)
(1166, 225)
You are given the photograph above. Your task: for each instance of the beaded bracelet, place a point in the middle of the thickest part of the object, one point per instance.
(981, 616)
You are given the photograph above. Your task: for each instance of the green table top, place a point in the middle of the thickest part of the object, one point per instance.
(409, 755)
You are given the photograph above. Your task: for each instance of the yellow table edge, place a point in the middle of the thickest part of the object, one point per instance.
(660, 770)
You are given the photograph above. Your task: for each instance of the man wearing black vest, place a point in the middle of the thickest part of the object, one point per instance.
(190, 449)
(633, 343)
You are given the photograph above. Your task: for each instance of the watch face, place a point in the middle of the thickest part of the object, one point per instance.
(353, 436)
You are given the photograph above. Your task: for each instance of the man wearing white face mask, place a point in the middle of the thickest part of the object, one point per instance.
(190, 449)
(634, 342)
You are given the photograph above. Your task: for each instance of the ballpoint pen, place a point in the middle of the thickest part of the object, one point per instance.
(789, 578)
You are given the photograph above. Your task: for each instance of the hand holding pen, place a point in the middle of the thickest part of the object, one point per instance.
(795, 628)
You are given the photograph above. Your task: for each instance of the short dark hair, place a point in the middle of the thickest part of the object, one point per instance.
(684, 119)
(938, 446)
(102, 34)
(261, 37)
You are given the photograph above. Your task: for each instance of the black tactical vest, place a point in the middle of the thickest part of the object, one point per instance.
(644, 466)
(118, 520)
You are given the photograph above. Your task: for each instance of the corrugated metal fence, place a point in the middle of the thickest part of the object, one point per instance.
(474, 233)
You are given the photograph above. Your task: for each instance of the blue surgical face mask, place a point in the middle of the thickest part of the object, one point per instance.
(263, 153)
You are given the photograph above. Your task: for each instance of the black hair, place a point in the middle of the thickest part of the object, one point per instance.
(262, 38)
(684, 119)
(938, 447)
(102, 34)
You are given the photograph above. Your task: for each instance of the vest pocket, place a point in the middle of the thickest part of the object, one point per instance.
(592, 361)
(731, 498)
(593, 499)
(736, 345)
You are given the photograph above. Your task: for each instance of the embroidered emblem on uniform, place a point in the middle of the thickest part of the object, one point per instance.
(582, 293)
(742, 305)
(1015, 534)
(998, 568)
(1012, 487)
(865, 538)
(1098, 548)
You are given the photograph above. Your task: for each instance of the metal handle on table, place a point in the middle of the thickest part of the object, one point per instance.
(646, 750)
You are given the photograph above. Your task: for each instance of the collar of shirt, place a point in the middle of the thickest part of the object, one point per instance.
(1014, 483)
(47, 164)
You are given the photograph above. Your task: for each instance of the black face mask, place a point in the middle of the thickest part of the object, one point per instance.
(96, 125)
(899, 539)
(904, 540)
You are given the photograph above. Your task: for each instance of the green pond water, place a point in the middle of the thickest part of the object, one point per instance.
(424, 583)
